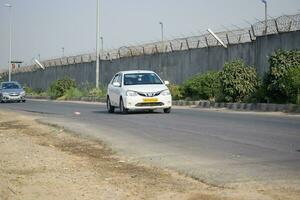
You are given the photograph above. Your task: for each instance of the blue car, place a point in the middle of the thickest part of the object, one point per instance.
(11, 92)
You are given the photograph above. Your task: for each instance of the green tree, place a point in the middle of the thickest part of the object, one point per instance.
(202, 86)
(238, 81)
(59, 87)
(175, 91)
(281, 79)
(292, 83)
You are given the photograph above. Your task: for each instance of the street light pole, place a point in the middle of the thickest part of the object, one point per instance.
(63, 51)
(162, 31)
(101, 44)
(97, 43)
(266, 15)
(10, 40)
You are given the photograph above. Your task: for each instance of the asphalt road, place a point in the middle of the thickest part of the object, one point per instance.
(215, 147)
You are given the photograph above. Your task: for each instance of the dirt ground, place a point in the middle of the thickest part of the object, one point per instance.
(46, 162)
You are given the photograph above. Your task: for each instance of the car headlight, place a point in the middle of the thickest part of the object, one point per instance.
(131, 93)
(22, 93)
(5, 94)
(165, 93)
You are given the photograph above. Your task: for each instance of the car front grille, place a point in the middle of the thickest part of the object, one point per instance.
(13, 94)
(149, 104)
(149, 94)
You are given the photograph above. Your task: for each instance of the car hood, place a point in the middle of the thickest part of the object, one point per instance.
(146, 88)
(12, 90)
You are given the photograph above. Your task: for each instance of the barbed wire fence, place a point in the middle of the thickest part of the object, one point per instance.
(284, 23)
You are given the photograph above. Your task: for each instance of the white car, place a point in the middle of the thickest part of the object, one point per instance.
(138, 90)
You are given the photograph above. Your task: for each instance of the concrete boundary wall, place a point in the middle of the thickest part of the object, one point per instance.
(176, 66)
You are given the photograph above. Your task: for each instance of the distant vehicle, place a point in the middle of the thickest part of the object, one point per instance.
(138, 90)
(11, 92)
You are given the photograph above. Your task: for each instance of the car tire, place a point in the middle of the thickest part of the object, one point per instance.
(167, 110)
(123, 110)
(24, 101)
(110, 108)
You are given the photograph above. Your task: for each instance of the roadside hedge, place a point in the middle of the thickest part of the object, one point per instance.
(283, 76)
(238, 81)
(202, 86)
(59, 87)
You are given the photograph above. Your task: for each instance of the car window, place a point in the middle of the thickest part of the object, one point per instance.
(141, 79)
(119, 80)
(10, 86)
(115, 79)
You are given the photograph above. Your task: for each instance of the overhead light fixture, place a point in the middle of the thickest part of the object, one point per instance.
(217, 38)
(39, 64)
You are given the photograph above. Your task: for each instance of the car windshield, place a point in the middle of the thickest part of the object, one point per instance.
(141, 79)
(10, 86)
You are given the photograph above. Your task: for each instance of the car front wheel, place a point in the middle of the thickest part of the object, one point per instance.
(167, 110)
(110, 108)
(123, 110)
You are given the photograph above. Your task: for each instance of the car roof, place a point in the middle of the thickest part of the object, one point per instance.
(136, 71)
(10, 82)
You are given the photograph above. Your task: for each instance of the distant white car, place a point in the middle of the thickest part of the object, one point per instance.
(138, 90)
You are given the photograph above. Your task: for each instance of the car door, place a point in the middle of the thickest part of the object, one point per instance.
(118, 89)
(114, 90)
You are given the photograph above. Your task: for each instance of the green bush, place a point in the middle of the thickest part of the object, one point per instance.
(97, 92)
(202, 86)
(59, 87)
(86, 87)
(175, 91)
(71, 93)
(293, 86)
(34, 92)
(283, 60)
(1, 78)
(29, 90)
(281, 80)
(259, 95)
(238, 81)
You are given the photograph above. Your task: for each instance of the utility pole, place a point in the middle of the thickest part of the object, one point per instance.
(266, 15)
(63, 51)
(101, 44)
(10, 39)
(97, 43)
(162, 31)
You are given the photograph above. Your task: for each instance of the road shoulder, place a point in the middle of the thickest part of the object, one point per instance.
(48, 162)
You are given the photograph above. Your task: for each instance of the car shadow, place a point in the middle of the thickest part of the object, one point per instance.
(129, 113)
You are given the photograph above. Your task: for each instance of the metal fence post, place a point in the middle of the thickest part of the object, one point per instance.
(187, 44)
(171, 46)
(206, 41)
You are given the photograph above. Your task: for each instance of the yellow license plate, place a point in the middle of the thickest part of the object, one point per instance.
(150, 100)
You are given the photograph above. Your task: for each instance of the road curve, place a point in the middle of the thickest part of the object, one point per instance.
(216, 147)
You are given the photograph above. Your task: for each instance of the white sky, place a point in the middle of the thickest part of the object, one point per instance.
(45, 26)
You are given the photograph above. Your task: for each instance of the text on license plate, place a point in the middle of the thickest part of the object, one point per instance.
(150, 100)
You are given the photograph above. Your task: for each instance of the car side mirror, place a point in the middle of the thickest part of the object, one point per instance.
(167, 83)
(116, 84)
